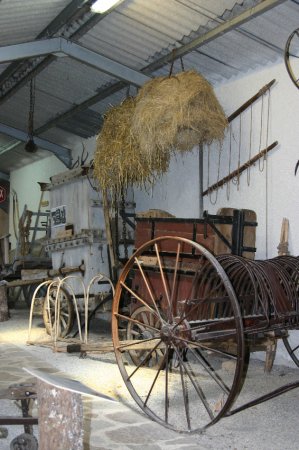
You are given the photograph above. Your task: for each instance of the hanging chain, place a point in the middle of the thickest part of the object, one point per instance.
(182, 64)
(250, 147)
(268, 120)
(239, 151)
(229, 162)
(261, 167)
(172, 62)
(31, 109)
(218, 174)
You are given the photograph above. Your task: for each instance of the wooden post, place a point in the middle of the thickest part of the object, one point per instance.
(3, 303)
(60, 418)
(283, 246)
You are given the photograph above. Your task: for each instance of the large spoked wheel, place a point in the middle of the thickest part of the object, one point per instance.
(182, 360)
(66, 313)
(291, 56)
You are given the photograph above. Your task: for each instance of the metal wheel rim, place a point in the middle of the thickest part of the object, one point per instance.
(287, 58)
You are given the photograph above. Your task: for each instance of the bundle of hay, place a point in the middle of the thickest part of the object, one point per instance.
(176, 113)
(118, 161)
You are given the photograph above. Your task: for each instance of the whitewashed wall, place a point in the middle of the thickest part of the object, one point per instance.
(178, 191)
(24, 182)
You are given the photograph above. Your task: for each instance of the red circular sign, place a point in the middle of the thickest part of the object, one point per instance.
(2, 194)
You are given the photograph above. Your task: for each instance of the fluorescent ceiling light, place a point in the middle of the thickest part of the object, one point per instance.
(101, 6)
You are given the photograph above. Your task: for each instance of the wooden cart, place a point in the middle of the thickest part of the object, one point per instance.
(184, 321)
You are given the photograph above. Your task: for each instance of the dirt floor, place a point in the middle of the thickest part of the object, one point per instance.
(122, 425)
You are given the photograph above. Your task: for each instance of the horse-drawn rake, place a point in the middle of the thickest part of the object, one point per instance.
(183, 323)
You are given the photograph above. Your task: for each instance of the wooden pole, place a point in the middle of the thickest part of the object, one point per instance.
(109, 234)
(3, 304)
(249, 102)
(241, 169)
(283, 246)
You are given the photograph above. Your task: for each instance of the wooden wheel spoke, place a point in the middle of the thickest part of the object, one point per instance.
(156, 313)
(152, 320)
(134, 332)
(145, 360)
(136, 343)
(200, 345)
(196, 387)
(163, 279)
(145, 318)
(184, 390)
(63, 322)
(174, 281)
(210, 370)
(155, 379)
(137, 322)
(148, 288)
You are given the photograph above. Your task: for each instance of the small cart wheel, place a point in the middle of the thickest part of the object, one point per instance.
(140, 330)
(187, 320)
(24, 441)
(66, 313)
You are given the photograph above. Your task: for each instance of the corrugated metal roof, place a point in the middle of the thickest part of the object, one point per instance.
(70, 96)
(22, 21)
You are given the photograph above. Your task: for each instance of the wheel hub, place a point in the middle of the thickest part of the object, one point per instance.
(175, 332)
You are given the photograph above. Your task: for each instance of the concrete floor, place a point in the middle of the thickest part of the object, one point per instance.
(122, 425)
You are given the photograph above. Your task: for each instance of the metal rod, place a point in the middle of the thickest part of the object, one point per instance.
(11, 420)
(264, 398)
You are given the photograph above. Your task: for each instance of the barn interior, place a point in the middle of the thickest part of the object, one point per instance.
(148, 245)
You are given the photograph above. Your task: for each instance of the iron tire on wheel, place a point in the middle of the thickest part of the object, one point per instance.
(66, 313)
(198, 376)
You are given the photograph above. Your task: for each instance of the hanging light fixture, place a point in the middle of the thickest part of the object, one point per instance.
(30, 145)
(101, 6)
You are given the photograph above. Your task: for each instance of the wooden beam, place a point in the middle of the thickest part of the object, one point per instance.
(241, 169)
(249, 102)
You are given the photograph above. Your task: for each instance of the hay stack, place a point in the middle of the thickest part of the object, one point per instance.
(118, 161)
(177, 113)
